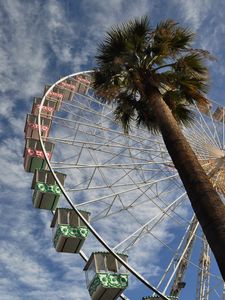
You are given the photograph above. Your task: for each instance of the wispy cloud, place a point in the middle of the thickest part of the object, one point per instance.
(22, 53)
(41, 40)
(194, 12)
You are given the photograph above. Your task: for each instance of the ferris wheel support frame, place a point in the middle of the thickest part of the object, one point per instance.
(92, 230)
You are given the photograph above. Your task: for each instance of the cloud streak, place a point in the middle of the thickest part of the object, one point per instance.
(41, 40)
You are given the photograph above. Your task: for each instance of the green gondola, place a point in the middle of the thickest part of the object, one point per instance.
(69, 232)
(46, 196)
(106, 278)
(46, 191)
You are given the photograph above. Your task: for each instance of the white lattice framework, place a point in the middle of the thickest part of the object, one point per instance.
(129, 184)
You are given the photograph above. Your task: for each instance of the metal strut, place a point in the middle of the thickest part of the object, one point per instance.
(92, 230)
(202, 291)
(178, 283)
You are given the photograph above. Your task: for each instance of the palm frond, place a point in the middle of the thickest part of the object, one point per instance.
(183, 115)
(204, 53)
(192, 85)
(112, 47)
(125, 110)
(146, 116)
(129, 38)
(103, 86)
(137, 34)
(179, 107)
(137, 59)
(130, 110)
(193, 64)
(182, 38)
(170, 38)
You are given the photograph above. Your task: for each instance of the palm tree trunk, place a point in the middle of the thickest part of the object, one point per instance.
(206, 203)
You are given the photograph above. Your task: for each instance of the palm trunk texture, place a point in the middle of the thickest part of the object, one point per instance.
(206, 203)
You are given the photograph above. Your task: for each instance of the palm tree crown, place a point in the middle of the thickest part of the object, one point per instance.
(134, 58)
(153, 75)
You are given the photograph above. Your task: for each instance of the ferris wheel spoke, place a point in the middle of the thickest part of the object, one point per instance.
(161, 214)
(104, 179)
(110, 153)
(97, 144)
(198, 127)
(69, 106)
(119, 178)
(210, 135)
(164, 244)
(214, 288)
(70, 124)
(131, 206)
(153, 197)
(215, 129)
(63, 165)
(111, 187)
(87, 126)
(99, 147)
(135, 203)
(125, 191)
(131, 178)
(147, 230)
(202, 153)
(196, 132)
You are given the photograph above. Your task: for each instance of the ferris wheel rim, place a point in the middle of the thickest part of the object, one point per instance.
(90, 227)
(52, 163)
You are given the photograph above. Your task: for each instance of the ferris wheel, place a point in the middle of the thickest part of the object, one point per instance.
(117, 198)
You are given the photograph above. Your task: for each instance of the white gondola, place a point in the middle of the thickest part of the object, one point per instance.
(32, 127)
(48, 108)
(69, 232)
(67, 88)
(46, 191)
(106, 278)
(55, 95)
(34, 156)
(82, 83)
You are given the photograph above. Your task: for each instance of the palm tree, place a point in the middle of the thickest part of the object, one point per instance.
(153, 75)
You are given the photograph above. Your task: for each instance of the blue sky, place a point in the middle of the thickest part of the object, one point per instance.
(41, 41)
